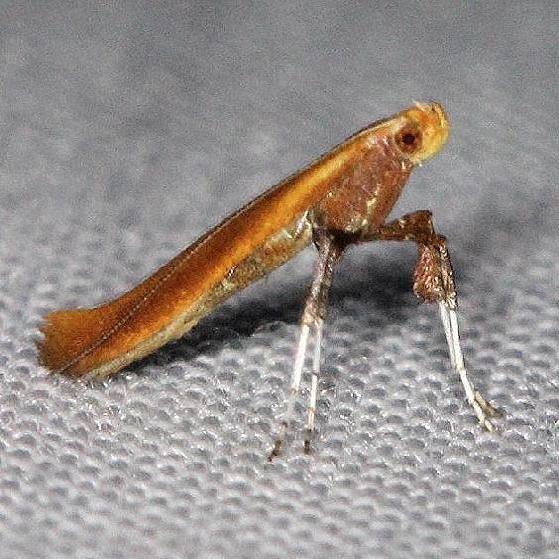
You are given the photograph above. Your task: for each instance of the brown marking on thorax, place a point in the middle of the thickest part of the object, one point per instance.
(366, 194)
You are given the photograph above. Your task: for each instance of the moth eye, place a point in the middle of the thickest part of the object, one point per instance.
(408, 139)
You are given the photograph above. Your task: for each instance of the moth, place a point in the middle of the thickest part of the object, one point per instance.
(340, 199)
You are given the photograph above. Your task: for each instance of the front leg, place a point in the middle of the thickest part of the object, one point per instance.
(433, 280)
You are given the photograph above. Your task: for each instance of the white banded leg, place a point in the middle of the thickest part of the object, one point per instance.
(329, 252)
(313, 394)
(481, 407)
(433, 281)
(296, 375)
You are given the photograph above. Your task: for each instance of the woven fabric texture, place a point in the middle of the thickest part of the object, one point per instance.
(129, 128)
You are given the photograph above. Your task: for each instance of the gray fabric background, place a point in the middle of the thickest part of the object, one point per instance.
(129, 128)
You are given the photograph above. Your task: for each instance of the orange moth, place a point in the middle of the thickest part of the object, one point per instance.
(342, 198)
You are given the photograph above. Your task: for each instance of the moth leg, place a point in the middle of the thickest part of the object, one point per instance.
(433, 280)
(313, 394)
(312, 320)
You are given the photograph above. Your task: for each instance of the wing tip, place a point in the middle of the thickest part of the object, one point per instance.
(62, 340)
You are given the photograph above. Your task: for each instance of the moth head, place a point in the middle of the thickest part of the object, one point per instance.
(420, 131)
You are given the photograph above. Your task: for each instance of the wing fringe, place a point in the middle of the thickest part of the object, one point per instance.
(68, 335)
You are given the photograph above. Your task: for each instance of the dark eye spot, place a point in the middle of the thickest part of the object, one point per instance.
(408, 139)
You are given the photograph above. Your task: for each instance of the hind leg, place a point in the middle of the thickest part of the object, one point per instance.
(330, 251)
